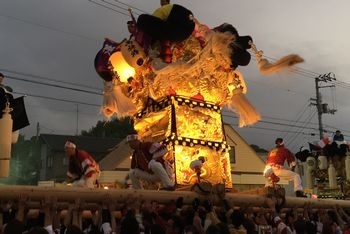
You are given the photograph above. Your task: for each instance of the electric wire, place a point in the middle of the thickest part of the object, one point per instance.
(57, 99)
(48, 28)
(297, 117)
(109, 8)
(130, 6)
(296, 135)
(46, 78)
(53, 85)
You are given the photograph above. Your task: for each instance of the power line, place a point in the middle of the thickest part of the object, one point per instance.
(132, 7)
(107, 7)
(273, 123)
(49, 28)
(53, 85)
(46, 78)
(57, 99)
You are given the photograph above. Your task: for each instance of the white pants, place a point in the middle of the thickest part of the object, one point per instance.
(159, 175)
(287, 175)
(87, 182)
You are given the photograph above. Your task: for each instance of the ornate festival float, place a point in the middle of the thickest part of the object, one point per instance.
(326, 166)
(173, 76)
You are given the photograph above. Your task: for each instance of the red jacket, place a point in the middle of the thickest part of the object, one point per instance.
(141, 157)
(278, 155)
(82, 164)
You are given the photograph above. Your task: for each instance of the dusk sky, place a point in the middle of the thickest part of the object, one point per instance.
(48, 48)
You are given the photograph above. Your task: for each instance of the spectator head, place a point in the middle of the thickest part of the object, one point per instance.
(279, 142)
(190, 229)
(300, 226)
(213, 229)
(133, 140)
(164, 2)
(38, 230)
(131, 26)
(14, 227)
(70, 147)
(237, 218)
(73, 229)
(129, 224)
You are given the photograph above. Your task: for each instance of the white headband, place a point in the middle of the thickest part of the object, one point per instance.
(132, 137)
(70, 144)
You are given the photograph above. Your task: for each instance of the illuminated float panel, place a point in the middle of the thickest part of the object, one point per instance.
(191, 129)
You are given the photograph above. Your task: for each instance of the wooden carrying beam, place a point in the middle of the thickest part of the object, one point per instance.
(86, 195)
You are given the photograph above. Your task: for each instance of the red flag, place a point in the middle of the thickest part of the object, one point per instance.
(314, 147)
(101, 62)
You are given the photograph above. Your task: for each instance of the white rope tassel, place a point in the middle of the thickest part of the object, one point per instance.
(247, 113)
(115, 102)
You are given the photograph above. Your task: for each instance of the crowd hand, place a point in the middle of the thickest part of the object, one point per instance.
(22, 205)
(340, 210)
(213, 217)
(69, 179)
(197, 222)
(307, 207)
(22, 200)
(136, 207)
(111, 206)
(146, 205)
(95, 215)
(45, 204)
(154, 207)
(247, 208)
(54, 205)
(106, 201)
(271, 203)
(76, 205)
(48, 202)
(7, 206)
(133, 202)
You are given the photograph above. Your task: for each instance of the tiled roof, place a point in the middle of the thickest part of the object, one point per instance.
(90, 144)
(118, 154)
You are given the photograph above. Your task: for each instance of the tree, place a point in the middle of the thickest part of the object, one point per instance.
(116, 128)
(25, 162)
(258, 149)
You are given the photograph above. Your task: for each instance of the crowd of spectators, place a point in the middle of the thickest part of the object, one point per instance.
(149, 217)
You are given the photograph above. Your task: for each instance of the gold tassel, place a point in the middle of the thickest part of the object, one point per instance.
(287, 61)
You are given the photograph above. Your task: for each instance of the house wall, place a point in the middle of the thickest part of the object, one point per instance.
(247, 160)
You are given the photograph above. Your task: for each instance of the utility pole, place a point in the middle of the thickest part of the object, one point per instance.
(322, 108)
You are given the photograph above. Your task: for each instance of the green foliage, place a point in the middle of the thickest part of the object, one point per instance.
(116, 128)
(25, 162)
(258, 149)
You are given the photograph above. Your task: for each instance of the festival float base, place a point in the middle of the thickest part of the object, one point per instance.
(90, 198)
